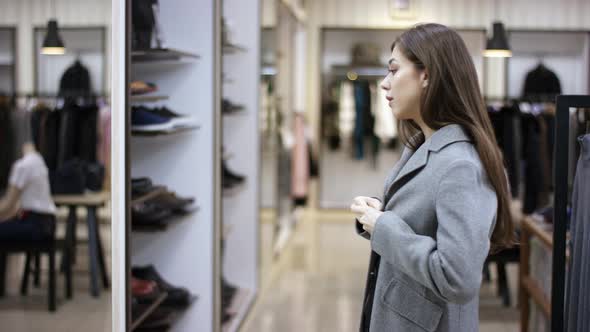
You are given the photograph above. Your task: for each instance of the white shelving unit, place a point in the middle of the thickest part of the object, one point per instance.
(187, 73)
(241, 65)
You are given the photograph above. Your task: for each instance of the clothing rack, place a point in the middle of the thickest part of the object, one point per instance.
(80, 99)
(560, 201)
(51, 95)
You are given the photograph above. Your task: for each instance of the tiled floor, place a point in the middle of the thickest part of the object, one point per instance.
(325, 295)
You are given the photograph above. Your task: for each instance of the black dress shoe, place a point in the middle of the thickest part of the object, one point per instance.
(231, 175)
(226, 317)
(227, 287)
(169, 200)
(140, 186)
(177, 296)
(146, 213)
(227, 107)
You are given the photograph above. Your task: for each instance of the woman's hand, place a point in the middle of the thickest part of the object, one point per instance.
(368, 210)
(369, 201)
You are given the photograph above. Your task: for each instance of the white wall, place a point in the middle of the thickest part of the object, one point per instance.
(28, 14)
(529, 14)
(570, 14)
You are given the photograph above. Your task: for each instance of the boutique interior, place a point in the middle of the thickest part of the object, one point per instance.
(202, 156)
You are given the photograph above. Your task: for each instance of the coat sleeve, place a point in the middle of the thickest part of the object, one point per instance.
(451, 263)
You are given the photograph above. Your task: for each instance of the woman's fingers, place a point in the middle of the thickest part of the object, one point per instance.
(356, 208)
(360, 200)
(374, 203)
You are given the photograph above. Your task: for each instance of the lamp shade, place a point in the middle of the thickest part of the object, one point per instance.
(497, 46)
(52, 44)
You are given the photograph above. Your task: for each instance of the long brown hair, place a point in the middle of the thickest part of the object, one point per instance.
(452, 96)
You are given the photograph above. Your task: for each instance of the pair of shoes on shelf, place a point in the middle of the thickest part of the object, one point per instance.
(159, 119)
(142, 186)
(161, 319)
(141, 88)
(227, 107)
(144, 291)
(229, 179)
(155, 205)
(178, 297)
(228, 293)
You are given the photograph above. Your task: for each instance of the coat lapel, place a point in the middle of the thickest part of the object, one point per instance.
(411, 162)
(406, 154)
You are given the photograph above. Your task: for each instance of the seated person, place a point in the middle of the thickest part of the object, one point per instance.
(27, 209)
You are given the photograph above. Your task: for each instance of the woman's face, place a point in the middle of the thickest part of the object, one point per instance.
(404, 84)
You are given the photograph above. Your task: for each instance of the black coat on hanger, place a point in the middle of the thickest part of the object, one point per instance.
(75, 81)
(541, 84)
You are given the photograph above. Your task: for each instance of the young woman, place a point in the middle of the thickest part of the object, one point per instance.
(446, 202)
(26, 208)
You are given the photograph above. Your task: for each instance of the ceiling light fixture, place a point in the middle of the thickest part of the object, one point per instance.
(53, 44)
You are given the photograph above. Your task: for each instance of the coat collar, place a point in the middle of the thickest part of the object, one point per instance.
(447, 135)
(412, 161)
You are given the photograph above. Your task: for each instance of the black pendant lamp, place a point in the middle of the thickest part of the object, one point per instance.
(53, 44)
(497, 46)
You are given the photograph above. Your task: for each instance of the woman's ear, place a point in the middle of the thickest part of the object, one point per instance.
(424, 78)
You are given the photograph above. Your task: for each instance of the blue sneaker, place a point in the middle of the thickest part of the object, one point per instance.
(143, 120)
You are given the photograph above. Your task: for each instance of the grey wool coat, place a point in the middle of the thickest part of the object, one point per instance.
(431, 241)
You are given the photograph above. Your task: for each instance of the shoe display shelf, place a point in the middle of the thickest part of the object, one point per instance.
(241, 139)
(166, 132)
(233, 49)
(147, 98)
(185, 161)
(161, 54)
(145, 312)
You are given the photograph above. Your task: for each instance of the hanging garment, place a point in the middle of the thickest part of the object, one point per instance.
(506, 123)
(346, 113)
(75, 81)
(541, 84)
(103, 151)
(330, 117)
(550, 123)
(578, 277)
(48, 132)
(299, 161)
(545, 158)
(7, 151)
(363, 122)
(78, 133)
(533, 170)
